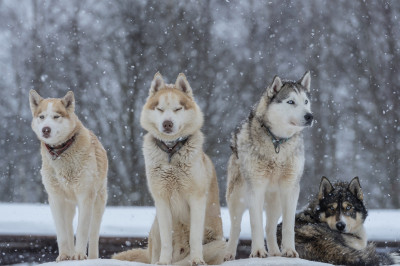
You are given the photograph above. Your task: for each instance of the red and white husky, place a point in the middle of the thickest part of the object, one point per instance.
(74, 172)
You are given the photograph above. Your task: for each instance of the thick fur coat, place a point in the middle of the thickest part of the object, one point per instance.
(182, 181)
(266, 166)
(331, 228)
(74, 173)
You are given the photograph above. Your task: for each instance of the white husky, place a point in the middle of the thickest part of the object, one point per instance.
(74, 172)
(266, 166)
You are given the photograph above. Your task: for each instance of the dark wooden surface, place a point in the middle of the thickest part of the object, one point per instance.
(40, 249)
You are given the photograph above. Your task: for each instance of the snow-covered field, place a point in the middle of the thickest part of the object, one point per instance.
(35, 219)
(246, 262)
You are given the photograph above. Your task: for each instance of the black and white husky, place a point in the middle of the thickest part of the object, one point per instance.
(266, 166)
(331, 228)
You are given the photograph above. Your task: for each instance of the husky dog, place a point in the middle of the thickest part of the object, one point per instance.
(266, 166)
(331, 228)
(74, 172)
(182, 180)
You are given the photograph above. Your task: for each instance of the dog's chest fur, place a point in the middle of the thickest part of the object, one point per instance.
(257, 153)
(179, 175)
(69, 172)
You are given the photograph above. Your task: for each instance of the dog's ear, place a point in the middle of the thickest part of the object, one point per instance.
(34, 100)
(275, 87)
(355, 188)
(325, 187)
(183, 85)
(69, 101)
(305, 81)
(157, 84)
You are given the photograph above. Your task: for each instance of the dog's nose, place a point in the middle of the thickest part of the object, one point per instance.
(46, 132)
(309, 118)
(167, 125)
(340, 226)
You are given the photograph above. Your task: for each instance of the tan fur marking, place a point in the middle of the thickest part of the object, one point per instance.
(58, 107)
(152, 104)
(345, 204)
(331, 221)
(185, 101)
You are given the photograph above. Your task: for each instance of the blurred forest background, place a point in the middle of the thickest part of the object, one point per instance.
(107, 52)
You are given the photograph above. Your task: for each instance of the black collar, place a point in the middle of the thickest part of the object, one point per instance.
(276, 141)
(171, 147)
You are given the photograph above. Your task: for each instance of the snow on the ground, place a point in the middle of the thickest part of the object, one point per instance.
(272, 261)
(35, 219)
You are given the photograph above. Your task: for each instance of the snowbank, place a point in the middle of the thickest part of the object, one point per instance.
(245, 262)
(35, 219)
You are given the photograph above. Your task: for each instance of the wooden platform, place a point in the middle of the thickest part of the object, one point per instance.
(39, 249)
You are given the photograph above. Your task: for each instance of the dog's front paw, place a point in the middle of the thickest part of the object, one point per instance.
(290, 253)
(79, 256)
(229, 256)
(62, 257)
(259, 253)
(198, 261)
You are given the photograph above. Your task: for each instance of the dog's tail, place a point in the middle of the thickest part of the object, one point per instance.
(138, 255)
(213, 253)
(371, 257)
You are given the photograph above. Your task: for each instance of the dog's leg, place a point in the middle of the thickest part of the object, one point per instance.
(237, 205)
(256, 203)
(85, 213)
(98, 211)
(164, 218)
(154, 242)
(61, 213)
(69, 211)
(197, 215)
(273, 212)
(289, 196)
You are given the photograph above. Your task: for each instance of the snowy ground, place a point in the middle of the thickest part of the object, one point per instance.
(35, 219)
(246, 262)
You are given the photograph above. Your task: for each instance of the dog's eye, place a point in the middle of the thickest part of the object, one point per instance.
(161, 110)
(56, 116)
(332, 208)
(306, 102)
(348, 208)
(290, 102)
(178, 109)
(41, 117)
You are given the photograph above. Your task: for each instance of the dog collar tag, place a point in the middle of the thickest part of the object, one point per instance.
(275, 140)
